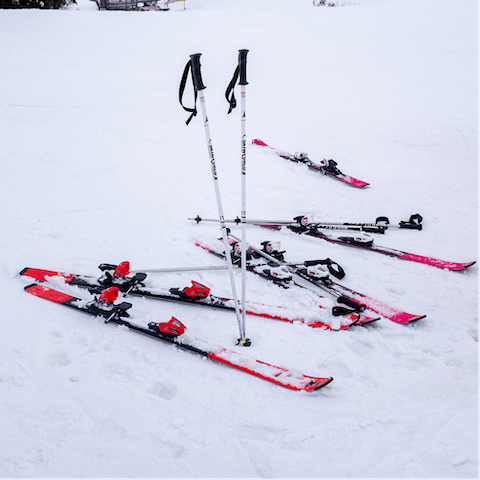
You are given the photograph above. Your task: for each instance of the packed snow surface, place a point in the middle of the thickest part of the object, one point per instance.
(99, 166)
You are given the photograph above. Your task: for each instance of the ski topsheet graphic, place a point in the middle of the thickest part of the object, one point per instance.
(174, 332)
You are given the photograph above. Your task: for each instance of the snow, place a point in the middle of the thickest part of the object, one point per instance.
(99, 166)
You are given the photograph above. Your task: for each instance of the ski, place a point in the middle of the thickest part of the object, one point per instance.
(366, 242)
(173, 332)
(289, 274)
(327, 167)
(196, 294)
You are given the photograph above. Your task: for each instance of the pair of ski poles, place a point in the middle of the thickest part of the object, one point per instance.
(241, 74)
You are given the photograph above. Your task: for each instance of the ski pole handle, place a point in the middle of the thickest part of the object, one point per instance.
(414, 223)
(351, 303)
(196, 73)
(311, 263)
(242, 64)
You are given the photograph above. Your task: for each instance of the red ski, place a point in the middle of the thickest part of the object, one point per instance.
(173, 332)
(198, 294)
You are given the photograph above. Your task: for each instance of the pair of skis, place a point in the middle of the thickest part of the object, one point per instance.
(298, 275)
(304, 225)
(319, 316)
(326, 167)
(173, 332)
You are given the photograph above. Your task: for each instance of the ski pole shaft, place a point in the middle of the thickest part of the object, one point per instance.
(183, 269)
(413, 223)
(200, 87)
(280, 223)
(242, 62)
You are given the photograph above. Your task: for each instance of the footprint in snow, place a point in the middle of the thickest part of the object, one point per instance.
(166, 391)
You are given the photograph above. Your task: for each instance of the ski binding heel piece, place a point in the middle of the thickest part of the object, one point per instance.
(277, 273)
(365, 240)
(172, 328)
(317, 271)
(196, 290)
(301, 157)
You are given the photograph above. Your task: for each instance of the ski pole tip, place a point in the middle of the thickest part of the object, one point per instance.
(244, 342)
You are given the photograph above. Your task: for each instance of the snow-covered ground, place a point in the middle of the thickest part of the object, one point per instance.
(98, 166)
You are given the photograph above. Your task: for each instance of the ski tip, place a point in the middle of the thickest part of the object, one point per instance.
(257, 141)
(466, 265)
(435, 262)
(452, 266)
(418, 317)
(410, 319)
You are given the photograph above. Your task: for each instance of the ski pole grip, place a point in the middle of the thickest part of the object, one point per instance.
(358, 307)
(414, 223)
(311, 263)
(242, 63)
(196, 73)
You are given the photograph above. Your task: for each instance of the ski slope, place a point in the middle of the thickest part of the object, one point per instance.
(98, 166)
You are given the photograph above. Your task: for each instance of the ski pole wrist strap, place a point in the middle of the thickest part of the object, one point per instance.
(240, 71)
(183, 82)
(333, 267)
(229, 93)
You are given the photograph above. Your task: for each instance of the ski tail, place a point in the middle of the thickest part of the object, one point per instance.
(387, 311)
(44, 275)
(49, 294)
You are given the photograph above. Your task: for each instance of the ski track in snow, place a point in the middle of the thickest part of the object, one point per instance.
(99, 166)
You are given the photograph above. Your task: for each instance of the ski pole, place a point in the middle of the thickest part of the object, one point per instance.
(241, 71)
(199, 88)
(242, 62)
(379, 226)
